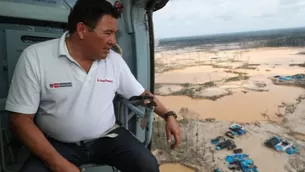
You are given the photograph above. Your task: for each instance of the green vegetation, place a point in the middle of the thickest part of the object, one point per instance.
(237, 78)
(293, 41)
(300, 65)
(248, 66)
(292, 37)
(190, 89)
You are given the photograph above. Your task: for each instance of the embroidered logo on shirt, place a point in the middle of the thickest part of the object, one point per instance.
(63, 84)
(104, 80)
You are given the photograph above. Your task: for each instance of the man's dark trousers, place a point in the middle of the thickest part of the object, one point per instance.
(124, 152)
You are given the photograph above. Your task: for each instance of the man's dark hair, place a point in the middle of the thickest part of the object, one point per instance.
(89, 12)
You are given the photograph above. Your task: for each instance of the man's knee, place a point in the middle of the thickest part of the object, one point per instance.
(147, 164)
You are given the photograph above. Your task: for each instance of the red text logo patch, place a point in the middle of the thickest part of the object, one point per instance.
(103, 80)
(58, 85)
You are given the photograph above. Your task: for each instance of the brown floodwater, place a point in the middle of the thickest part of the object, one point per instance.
(174, 168)
(240, 106)
(196, 75)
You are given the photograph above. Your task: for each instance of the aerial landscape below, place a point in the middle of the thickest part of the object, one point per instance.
(253, 79)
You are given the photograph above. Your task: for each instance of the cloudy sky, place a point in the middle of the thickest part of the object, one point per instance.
(200, 17)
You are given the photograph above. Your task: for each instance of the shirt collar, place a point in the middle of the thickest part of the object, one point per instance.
(62, 49)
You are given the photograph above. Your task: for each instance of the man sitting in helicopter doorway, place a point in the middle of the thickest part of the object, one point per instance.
(68, 85)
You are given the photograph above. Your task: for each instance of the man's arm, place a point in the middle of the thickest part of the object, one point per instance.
(30, 135)
(23, 101)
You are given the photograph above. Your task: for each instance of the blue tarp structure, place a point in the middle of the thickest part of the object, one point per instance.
(292, 77)
(278, 144)
(243, 162)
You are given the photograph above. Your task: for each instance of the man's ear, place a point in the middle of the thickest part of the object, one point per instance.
(81, 30)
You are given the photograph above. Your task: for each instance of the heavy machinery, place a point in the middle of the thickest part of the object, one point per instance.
(24, 22)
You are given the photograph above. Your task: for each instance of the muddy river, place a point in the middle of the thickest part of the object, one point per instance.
(240, 107)
(174, 168)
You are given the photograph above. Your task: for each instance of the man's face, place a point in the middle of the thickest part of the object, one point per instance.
(97, 43)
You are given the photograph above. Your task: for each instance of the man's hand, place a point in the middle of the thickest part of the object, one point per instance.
(172, 129)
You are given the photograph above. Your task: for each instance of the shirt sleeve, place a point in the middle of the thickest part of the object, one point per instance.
(24, 91)
(128, 84)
